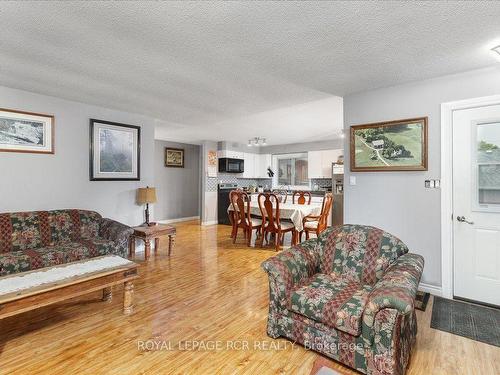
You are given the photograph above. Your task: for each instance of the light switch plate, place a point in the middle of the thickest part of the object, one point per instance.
(352, 180)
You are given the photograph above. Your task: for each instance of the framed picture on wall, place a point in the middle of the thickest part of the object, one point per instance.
(174, 157)
(115, 151)
(26, 132)
(399, 145)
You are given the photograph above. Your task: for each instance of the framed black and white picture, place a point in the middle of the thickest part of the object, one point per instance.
(115, 151)
(26, 132)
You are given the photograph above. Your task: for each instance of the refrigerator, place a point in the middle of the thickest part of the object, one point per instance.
(338, 193)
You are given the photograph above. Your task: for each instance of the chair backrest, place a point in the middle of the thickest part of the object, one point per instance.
(282, 195)
(303, 197)
(325, 211)
(269, 205)
(34, 229)
(359, 252)
(241, 207)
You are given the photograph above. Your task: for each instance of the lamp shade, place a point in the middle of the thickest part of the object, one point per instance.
(146, 195)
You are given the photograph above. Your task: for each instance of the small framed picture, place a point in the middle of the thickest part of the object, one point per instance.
(399, 145)
(115, 151)
(26, 132)
(174, 157)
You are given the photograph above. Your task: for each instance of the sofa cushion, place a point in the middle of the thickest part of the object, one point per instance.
(21, 231)
(335, 301)
(27, 260)
(89, 224)
(358, 252)
(61, 226)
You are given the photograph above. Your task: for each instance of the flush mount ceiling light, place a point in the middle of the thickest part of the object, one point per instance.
(257, 141)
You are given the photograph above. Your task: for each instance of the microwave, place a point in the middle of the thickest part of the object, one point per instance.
(229, 165)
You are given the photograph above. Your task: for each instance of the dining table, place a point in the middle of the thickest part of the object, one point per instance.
(291, 211)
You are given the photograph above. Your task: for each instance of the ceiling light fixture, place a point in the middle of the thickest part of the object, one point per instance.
(257, 141)
(496, 50)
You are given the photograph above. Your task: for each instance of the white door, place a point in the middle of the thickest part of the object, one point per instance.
(476, 204)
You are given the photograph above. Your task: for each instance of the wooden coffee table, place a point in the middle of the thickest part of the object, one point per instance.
(146, 234)
(16, 302)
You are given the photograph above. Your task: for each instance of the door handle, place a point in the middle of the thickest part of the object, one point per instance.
(462, 219)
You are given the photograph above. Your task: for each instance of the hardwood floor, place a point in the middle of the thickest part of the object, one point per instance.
(208, 290)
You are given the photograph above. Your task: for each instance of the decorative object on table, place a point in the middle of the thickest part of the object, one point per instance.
(390, 146)
(421, 300)
(317, 302)
(42, 287)
(476, 322)
(146, 196)
(26, 132)
(115, 151)
(149, 233)
(37, 239)
(174, 157)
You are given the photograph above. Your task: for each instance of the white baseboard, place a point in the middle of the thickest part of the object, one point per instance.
(169, 221)
(213, 222)
(432, 289)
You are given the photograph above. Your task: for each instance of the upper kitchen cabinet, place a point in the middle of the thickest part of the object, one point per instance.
(320, 163)
(230, 154)
(256, 165)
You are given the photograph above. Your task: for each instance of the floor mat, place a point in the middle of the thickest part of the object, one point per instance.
(421, 300)
(475, 322)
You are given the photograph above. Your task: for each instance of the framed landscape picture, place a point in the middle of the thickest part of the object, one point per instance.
(26, 132)
(174, 157)
(390, 146)
(115, 151)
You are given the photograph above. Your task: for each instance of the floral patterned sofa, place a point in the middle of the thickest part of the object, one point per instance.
(31, 240)
(348, 294)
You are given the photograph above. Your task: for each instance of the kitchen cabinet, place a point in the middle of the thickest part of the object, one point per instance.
(249, 168)
(230, 154)
(263, 161)
(319, 164)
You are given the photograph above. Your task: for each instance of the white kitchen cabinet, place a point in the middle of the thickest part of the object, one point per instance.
(262, 162)
(320, 163)
(314, 164)
(230, 154)
(249, 167)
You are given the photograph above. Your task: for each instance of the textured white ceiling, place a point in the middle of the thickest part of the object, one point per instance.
(200, 67)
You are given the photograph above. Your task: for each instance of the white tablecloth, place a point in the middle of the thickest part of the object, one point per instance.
(293, 212)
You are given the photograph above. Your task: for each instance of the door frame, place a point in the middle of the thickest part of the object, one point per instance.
(447, 110)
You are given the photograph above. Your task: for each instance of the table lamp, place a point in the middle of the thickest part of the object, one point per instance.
(146, 196)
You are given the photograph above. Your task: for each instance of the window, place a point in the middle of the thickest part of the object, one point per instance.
(291, 169)
(488, 164)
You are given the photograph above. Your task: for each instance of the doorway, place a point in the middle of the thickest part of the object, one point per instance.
(475, 202)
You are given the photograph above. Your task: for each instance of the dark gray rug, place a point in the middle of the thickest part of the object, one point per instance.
(475, 322)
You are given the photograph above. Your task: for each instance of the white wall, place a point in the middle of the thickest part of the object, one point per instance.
(397, 201)
(44, 182)
(177, 189)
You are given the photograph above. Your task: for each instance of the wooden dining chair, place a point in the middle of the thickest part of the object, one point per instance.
(318, 223)
(281, 194)
(303, 197)
(242, 218)
(269, 205)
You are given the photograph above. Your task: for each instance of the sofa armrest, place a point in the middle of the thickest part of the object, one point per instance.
(290, 268)
(396, 290)
(114, 231)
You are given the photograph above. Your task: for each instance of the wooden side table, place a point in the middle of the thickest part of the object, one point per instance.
(148, 233)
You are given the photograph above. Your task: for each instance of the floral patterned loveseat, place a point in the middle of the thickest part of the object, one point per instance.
(31, 240)
(348, 294)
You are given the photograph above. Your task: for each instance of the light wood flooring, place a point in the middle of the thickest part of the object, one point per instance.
(209, 289)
